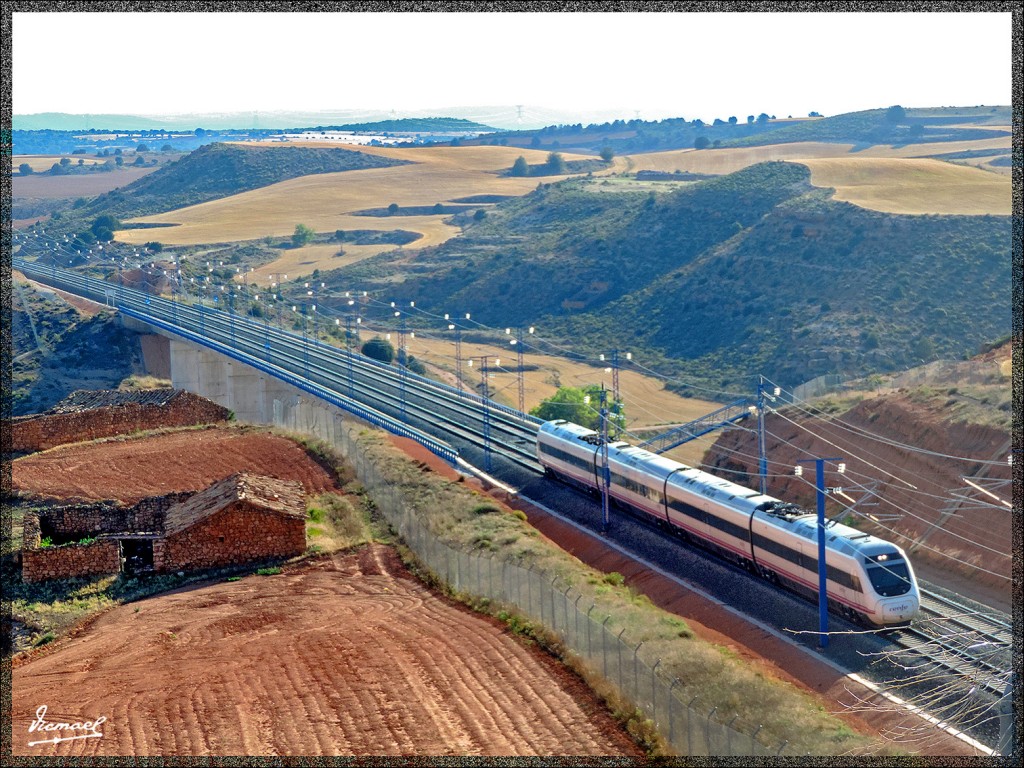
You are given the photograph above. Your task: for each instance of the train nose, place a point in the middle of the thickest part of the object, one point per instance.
(903, 609)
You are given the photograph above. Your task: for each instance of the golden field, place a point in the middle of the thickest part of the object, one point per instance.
(881, 178)
(40, 163)
(326, 202)
(915, 186)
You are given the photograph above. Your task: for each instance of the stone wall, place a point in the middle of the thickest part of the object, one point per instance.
(46, 430)
(71, 560)
(239, 533)
(67, 522)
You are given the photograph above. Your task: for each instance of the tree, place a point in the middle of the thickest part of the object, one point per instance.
(701, 142)
(140, 160)
(65, 161)
(607, 153)
(581, 406)
(154, 247)
(105, 222)
(142, 148)
(166, 148)
(379, 349)
(520, 167)
(25, 169)
(762, 119)
(895, 114)
(393, 209)
(302, 235)
(732, 120)
(480, 214)
(556, 163)
(119, 160)
(56, 169)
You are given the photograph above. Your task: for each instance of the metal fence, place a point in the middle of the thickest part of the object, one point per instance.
(538, 597)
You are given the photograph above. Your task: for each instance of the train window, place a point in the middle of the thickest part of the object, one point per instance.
(890, 580)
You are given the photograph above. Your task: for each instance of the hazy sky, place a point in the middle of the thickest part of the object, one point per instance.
(655, 64)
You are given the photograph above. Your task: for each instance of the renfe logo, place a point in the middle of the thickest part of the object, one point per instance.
(41, 724)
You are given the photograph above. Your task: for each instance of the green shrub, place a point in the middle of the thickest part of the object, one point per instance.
(614, 578)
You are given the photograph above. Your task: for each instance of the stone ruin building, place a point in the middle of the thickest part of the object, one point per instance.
(241, 519)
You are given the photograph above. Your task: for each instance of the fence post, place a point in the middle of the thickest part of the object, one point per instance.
(753, 740)
(654, 691)
(636, 674)
(689, 731)
(576, 620)
(619, 647)
(590, 650)
(604, 646)
(671, 721)
(707, 729)
(728, 735)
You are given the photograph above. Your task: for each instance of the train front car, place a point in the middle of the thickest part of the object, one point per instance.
(889, 579)
(861, 587)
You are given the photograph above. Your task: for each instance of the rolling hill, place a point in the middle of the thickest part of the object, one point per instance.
(218, 170)
(753, 272)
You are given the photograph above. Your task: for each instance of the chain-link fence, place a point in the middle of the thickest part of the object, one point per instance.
(538, 597)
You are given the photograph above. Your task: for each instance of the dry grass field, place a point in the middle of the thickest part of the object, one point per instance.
(882, 178)
(43, 186)
(723, 161)
(647, 401)
(41, 163)
(327, 201)
(913, 185)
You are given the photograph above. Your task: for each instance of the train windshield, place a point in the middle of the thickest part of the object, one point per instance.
(891, 579)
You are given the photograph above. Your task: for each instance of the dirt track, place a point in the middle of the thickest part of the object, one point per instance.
(343, 656)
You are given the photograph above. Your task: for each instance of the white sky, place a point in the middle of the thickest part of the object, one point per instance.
(660, 65)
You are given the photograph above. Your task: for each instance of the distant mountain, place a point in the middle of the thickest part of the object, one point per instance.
(894, 125)
(503, 117)
(754, 272)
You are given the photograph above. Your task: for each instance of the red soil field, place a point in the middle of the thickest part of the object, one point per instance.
(132, 469)
(343, 655)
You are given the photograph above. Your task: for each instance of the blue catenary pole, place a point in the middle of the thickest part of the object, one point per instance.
(761, 453)
(819, 484)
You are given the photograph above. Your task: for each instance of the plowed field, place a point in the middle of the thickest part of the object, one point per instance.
(133, 469)
(342, 656)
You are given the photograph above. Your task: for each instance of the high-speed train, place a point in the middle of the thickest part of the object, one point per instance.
(868, 579)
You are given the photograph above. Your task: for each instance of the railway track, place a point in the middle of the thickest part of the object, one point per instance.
(971, 642)
(437, 409)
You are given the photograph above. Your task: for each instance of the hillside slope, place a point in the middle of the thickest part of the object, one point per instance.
(219, 170)
(914, 441)
(752, 272)
(75, 350)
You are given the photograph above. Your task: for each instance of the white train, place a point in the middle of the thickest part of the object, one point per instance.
(868, 579)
